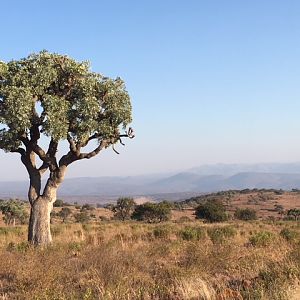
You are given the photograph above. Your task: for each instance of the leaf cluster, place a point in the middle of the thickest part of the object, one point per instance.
(61, 97)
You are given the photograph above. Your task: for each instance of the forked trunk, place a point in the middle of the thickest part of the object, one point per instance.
(39, 224)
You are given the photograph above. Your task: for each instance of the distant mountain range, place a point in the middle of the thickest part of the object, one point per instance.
(204, 179)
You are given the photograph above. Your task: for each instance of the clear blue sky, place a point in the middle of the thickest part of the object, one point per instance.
(210, 81)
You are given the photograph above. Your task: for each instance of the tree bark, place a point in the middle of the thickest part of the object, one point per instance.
(39, 224)
(41, 206)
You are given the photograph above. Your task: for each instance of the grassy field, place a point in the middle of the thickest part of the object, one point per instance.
(173, 260)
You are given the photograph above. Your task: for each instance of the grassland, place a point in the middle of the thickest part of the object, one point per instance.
(180, 259)
(130, 260)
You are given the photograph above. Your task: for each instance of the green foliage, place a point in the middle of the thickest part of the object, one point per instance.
(18, 247)
(219, 235)
(61, 96)
(261, 239)
(212, 211)
(245, 214)
(124, 208)
(162, 231)
(13, 211)
(289, 235)
(294, 213)
(64, 213)
(82, 217)
(152, 212)
(192, 233)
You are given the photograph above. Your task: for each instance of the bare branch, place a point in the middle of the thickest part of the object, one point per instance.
(121, 142)
(130, 134)
(113, 147)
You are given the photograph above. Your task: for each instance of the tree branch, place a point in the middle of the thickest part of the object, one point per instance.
(51, 157)
(19, 150)
(103, 144)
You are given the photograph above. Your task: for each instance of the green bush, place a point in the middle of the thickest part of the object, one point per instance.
(192, 233)
(82, 217)
(219, 235)
(212, 211)
(245, 214)
(162, 231)
(13, 211)
(261, 239)
(289, 235)
(152, 212)
(124, 208)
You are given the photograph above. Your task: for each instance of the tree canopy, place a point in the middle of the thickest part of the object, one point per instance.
(55, 95)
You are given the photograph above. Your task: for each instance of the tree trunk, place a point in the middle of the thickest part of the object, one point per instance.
(39, 223)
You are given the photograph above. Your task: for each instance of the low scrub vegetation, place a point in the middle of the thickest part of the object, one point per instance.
(245, 214)
(212, 211)
(118, 260)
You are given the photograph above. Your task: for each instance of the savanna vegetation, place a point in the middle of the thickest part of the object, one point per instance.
(101, 253)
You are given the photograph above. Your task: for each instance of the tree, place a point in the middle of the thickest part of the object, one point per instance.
(124, 208)
(13, 210)
(152, 212)
(64, 213)
(294, 213)
(212, 211)
(50, 98)
(245, 214)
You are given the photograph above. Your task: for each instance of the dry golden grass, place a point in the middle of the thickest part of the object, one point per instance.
(130, 260)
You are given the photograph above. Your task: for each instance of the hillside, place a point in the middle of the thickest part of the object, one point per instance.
(267, 203)
(172, 187)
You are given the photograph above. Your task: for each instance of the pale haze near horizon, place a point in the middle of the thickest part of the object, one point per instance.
(210, 82)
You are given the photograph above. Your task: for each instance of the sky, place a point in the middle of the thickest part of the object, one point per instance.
(210, 81)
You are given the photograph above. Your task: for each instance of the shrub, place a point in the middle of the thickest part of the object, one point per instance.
(261, 239)
(192, 233)
(124, 208)
(58, 203)
(289, 235)
(152, 212)
(294, 213)
(162, 231)
(13, 211)
(212, 211)
(220, 234)
(64, 213)
(82, 217)
(245, 214)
